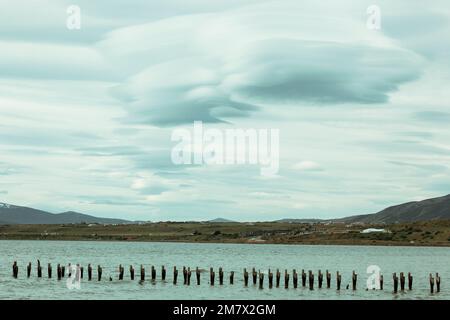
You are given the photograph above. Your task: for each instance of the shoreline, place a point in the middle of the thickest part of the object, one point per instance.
(415, 234)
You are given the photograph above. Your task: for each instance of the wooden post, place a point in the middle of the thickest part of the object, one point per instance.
(338, 280)
(431, 284)
(270, 275)
(381, 281)
(153, 273)
(175, 275)
(410, 281)
(49, 270)
(189, 276)
(438, 283)
(142, 273)
(277, 278)
(303, 278)
(89, 272)
(261, 280)
(328, 276)
(121, 270)
(70, 270)
(163, 273)
(295, 278)
(231, 277)
(99, 273)
(211, 276)
(311, 280)
(197, 274)
(39, 269)
(354, 279)
(81, 272)
(15, 270)
(402, 281)
(286, 279)
(59, 271)
(395, 278)
(245, 277)
(254, 275)
(184, 275)
(320, 278)
(131, 272)
(29, 270)
(220, 276)
(63, 271)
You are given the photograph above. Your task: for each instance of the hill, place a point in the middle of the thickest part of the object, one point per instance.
(425, 210)
(11, 214)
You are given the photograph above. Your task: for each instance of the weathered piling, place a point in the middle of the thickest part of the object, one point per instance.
(261, 280)
(254, 276)
(311, 280)
(29, 269)
(270, 276)
(245, 277)
(431, 283)
(286, 279)
(81, 272)
(277, 278)
(184, 275)
(99, 272)
(131, 272)
(220, 276)
(338, 280)
(303, 278)
(212, 275)
(197, 275)
(121, 271)
(354, 279)
(163, 273)
(402, 281)
(15, 270)
(49, 271)
(295, 278)
(395, 279)
(175, 275)
(381, 281)
(59, 271)
(89, 272)
(153, 273)
(231, 277)
(142, 273)
(410, 281)
(70, 270)
(39, 269)
(63, 271)
(438, 283)
(320, 279)
(189, 276)
(328, 276)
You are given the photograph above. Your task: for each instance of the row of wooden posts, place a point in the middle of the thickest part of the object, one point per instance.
(257, 277)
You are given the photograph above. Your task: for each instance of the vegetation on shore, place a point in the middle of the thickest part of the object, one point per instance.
(430, 233)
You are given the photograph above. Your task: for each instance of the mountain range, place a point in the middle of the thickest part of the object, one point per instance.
(430, 209)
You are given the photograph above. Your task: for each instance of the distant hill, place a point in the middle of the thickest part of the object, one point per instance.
(430, 209)
(11, 214)
(220, 220)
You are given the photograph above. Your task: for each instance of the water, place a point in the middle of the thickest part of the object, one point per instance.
(419, 260)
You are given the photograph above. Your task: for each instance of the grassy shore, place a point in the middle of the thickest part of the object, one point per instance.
(434, 233)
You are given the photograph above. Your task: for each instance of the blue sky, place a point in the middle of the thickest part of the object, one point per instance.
(86, 115)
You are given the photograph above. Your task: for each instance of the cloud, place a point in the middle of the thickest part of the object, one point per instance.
(216, 66)
(307, 166)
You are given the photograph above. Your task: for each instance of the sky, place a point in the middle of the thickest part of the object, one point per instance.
(86, 115)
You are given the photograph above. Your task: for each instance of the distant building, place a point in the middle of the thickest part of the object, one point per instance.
(371, 230)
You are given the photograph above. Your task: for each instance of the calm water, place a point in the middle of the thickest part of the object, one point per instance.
(419, 261)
